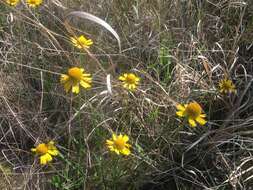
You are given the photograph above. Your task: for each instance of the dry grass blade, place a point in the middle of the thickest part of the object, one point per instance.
(95, 19)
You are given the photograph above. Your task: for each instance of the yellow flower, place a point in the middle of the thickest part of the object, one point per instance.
(75, 77)
(81, 42)
(129, 80)
(226, 86)
(33, 3)
(119, 144)
(193, 112)
(46, 152)
(12, 2)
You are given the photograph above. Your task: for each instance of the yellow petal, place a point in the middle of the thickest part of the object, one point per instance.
(33, 149)
(85, 84)
(54, 152)
(125, 138)
(44, 159)
(180, 107)
(67, 86)
(132, 86)
(64, 78)
(109, 142)
(122, 78)
(203, 115)
(180, 113)
(192, 122)
(114, 137)
(125, 151)
(201, 121)
(75, 89)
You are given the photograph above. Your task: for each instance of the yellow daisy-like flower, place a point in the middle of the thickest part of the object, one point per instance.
(12, 2)
(81, 42)
(119, 144)
(193, 112)
(129, 80)
(75, 77)
(33, 3)
(226, 86)
(46, 152)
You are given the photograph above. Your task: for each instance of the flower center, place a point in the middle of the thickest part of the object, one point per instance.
(42, 148)
(33, 2)
(75, 73)
(226, 85)
(119, 143)
(130, 79)
(193, 110)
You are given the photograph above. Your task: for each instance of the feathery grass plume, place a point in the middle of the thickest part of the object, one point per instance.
(119, 144)
(93, 18)
(226, 86)
(46, 152)
(81, 42)
(193, 112)
(130, 81)
(75, 77)
(12, 2)
(33, 3)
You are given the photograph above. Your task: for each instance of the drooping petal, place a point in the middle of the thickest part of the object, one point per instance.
(192, 122)
(67, 86)
(64, 78)
(202, 115)
(125, 151)
(201, 121)
(53, 152)
(180, 107)
(116, 150)
(75, 88)
(122, 78)
(180, 113)
(44, 159)
(85, 84)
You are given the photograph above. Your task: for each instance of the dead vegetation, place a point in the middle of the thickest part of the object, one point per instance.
(180, 50)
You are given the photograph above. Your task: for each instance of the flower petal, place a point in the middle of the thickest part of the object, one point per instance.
(201, 121)
(85, 84)
(180, 107)
(114, 137)
(76, 89)
(122, 78)
(180, 113)
(203, 115)
(192, 122)
(125, 138)
(64, 78)
(53, 152)
(109, 142)
(44, 159)
(67, 86)
(125, 151)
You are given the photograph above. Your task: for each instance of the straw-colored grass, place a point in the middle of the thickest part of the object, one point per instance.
(180, 50)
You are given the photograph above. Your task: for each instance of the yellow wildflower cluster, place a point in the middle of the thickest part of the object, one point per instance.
(76, 77)
(30, 3)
